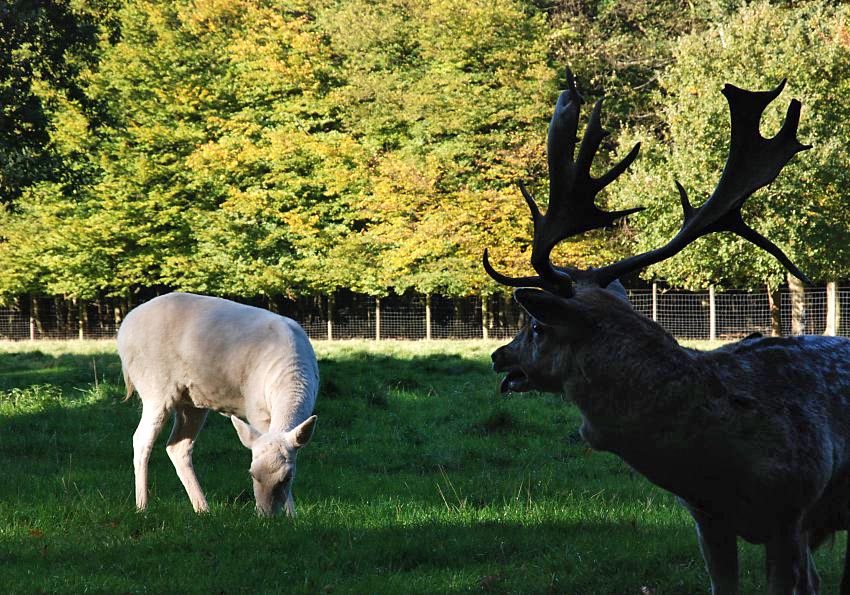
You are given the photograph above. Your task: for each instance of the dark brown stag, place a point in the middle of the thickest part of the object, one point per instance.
(754, 437)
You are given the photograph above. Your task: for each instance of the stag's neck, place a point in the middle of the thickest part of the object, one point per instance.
(624, 386)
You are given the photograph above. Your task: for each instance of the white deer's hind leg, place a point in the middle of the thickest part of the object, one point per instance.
(153, 418)
(188, 421)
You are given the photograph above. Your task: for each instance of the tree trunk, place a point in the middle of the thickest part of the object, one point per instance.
(116, 312)
(798, 305)
(774, 301)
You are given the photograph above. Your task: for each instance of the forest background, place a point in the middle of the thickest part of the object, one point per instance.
(252, 148)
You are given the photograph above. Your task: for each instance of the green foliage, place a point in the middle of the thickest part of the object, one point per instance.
(250, 148)
(804, 210)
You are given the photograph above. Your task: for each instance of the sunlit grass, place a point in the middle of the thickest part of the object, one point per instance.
(421, 478)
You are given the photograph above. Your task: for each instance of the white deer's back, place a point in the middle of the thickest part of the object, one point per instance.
(229, 357)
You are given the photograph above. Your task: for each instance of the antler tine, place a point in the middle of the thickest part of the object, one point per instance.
(753, 162)
(572, 192)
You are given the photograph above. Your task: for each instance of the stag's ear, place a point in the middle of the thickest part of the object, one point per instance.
(247, 433)
(549, 308)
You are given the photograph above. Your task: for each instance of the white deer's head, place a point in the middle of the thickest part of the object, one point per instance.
(273, 463)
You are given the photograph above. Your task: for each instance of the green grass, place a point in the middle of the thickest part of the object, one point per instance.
(421, 478)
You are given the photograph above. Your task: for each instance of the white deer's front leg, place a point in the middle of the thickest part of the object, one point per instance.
(153, 418)
(290, 503)
(719, 548)
(188, 422)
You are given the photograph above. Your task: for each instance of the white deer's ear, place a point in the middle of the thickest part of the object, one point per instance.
(247, 434)
(302, 433)
(548, 308)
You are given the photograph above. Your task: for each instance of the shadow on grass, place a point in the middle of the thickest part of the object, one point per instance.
(420, 478)
(223, 553)
(19, 369)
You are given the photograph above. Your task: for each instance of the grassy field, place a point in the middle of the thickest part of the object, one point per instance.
(421, 478)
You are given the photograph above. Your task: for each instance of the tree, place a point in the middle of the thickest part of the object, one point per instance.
(803, 211)
(448, 102)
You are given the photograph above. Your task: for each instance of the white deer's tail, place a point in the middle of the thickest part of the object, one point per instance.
(128, 383)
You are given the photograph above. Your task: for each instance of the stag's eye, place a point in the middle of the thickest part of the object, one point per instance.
(536, 328)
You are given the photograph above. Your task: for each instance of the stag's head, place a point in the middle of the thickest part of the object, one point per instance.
(273, 462)
(569, 308)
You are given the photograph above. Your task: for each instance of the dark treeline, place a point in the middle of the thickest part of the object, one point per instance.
(270, 148)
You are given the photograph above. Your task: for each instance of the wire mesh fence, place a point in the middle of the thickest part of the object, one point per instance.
(686, 315)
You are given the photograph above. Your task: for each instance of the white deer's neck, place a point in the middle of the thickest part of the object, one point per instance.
(291, 411)
(287, 393)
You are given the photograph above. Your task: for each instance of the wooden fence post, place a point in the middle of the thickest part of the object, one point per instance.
(377, 319)
(485, 332)
(655, 302)
(712, 315)
(330, 316)
(831, 310)
(428, 316)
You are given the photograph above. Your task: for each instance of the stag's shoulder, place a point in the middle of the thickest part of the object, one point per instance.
(796, 346)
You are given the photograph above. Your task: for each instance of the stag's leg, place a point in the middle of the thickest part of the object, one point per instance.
(188, 421)
(787, 563)
(719, 548)
(153, 418)
(812, 577)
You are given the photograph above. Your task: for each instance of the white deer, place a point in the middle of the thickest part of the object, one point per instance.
(187, 354)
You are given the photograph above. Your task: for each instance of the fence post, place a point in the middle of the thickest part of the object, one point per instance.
(377, 319)
(428, 316)
(81, 319)
(485, 333)
(655, 302)
(712, 315)
(831, 310)
(330, 316)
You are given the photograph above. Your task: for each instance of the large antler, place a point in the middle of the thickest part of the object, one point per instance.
(572, 193)
(752, 163)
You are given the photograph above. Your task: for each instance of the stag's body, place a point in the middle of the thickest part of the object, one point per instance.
(754, 437)
(187, 354)
(754, 434)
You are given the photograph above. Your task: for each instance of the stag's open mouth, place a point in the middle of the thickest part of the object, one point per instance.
(515, 381)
